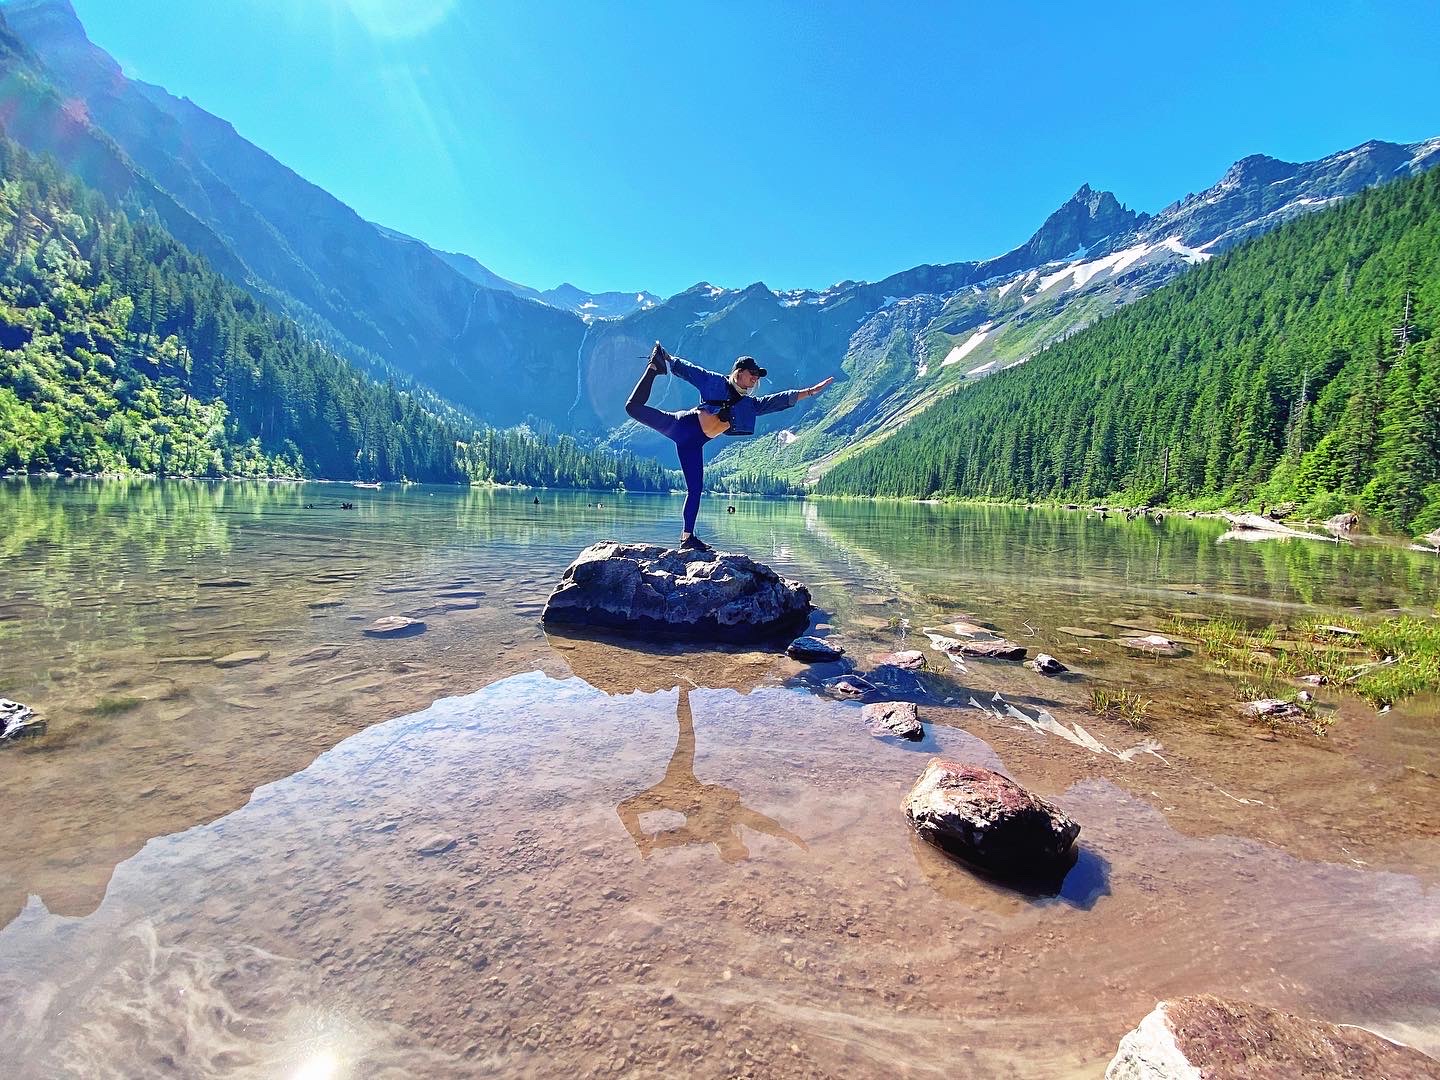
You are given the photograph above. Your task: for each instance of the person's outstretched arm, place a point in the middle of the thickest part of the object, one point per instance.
(787, 399)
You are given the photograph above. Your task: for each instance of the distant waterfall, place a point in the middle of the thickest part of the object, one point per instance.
(579, 372)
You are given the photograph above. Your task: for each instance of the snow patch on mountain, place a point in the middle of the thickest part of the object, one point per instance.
(973, 342)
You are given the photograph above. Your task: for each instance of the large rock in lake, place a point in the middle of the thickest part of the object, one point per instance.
(987, 818)
(1207, 1038)
(656, 591)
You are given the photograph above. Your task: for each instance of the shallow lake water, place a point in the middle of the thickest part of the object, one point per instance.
(485, 850)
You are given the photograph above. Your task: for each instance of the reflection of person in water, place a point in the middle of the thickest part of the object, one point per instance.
(713, 813)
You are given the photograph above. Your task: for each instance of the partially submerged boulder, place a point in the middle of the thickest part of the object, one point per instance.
(988, 819)
(1046, 664)
(898, 718)
(813, 650)
(17, 719)
(656, 591)
(1214, 1039)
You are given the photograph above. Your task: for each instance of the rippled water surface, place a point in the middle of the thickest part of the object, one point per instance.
(482, 850)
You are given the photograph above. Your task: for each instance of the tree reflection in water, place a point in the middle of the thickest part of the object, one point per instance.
(714, 813)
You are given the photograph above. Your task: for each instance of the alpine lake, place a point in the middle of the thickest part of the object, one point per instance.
(253, 841)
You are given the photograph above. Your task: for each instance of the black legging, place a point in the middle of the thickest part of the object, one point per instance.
(683, 429)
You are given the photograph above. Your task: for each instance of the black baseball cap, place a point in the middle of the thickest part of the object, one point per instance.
(747, 363)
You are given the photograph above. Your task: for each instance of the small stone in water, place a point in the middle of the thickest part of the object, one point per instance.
(897, 718)
(1271, 708)
(437, 845)
(851, 686)
(1046, 664)
(394, 626)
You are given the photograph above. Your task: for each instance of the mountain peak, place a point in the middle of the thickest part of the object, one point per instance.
(52, 30)
(1083, 219)
(1257, 169)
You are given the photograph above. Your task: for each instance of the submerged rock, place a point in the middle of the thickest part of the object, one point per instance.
(813, 650)
(239, 659)
(1153, 645)
(898, 718)
(655, 591)
(17, 719)
(849, 686)
(1214, 1039)
(437, 845)
(1272, 709)
(989, 819)
(1046, 664)
(905, 659)
(394, 626)
(999, 649)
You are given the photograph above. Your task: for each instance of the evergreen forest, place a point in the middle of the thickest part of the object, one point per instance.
(1300, 367)
(122, 351)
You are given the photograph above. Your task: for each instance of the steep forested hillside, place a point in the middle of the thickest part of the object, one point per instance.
(121, 350)
(1292, 368)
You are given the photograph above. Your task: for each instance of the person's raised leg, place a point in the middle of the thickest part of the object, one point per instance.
(638, 409)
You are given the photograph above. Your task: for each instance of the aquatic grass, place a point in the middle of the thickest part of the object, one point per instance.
(1123, 704)
(112, 706)
(1404, 651)
(1382, 660)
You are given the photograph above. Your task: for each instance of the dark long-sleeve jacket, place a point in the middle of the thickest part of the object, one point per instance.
(715, 395)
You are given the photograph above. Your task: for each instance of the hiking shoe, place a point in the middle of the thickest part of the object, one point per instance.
(694, 543)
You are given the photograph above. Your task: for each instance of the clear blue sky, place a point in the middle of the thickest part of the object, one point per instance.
(653, 145)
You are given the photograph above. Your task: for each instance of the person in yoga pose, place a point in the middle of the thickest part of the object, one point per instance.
(727, 407)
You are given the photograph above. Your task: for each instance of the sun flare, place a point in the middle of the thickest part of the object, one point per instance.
(398, 18)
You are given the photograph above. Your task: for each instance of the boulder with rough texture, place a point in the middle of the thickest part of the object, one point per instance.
(899, 718)
(1433, 539)
(1046, 664)
(1208, 1038)
(989, 819)
(813, 650)
(651, 590)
